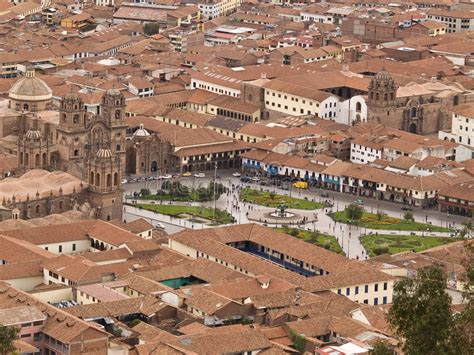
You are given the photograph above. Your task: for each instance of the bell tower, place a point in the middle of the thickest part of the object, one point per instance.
(72, 113)
(382, 95)
(104, 178)
(113, 114)
(71, 132)
(113, 107)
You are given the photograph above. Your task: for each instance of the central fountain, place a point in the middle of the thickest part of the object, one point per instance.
(281, 212)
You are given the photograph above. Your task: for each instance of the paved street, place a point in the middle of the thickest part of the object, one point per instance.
(347, 236)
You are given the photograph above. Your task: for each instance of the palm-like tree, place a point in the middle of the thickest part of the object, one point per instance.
(466, 228)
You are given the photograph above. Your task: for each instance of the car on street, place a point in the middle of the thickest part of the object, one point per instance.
(187, 173)
(160, 225)
(199, 175)
(255, 179)
(245, 179)
(359, 202)
(124, 181)
(407, 208)
(166, 176)
(324, 194)
(176, 175)
(329, 203)
(236, 174)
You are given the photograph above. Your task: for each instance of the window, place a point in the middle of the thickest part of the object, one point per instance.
(74, 247)
(37, 337)
(339, 291)
(385, 285)
(356, 290)
(366, 288)
(376, 301)
(366, 301)
(60, 249)
(384, 300)
(376, 287)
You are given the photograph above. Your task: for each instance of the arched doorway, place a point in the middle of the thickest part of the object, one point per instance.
(412, 128)
(154, 166)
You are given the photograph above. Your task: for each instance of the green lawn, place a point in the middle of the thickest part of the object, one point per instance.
(370, 220)
(377, 244)
(222, 217)
(321, 240)
(274, 200)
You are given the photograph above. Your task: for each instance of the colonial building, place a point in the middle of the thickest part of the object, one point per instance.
(87, 146)
(416, 108)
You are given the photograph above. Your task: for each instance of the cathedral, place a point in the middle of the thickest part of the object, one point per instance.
(416, 108)
(87, 146)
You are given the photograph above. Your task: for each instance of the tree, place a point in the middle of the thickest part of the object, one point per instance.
(466, 228)
(380, 215)
(354, 212)
(381, 348)
(145, 192)
(7, 337)
(408, 216)
(151, 29)
(422, 318)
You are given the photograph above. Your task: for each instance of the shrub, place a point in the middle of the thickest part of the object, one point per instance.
(381, 250)
(408, 216)
(294, 232)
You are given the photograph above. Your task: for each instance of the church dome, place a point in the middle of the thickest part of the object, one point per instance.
(30, 88)
(383, 75)
(104, 153)
(33, 135)
(141, 132)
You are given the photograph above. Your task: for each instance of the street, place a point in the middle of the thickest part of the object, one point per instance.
(346, 235)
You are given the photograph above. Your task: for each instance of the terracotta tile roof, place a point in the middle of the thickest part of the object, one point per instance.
(139, 225)
(59, 324)
(228, 340)
(364, 275)
(101, 293)
(206, 301)
(147, 306)
(108, 255)
(201, 268)
(82, 271)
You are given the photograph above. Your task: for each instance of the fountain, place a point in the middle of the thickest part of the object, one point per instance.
(281, 212)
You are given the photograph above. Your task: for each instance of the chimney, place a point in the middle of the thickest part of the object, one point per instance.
(263, 75)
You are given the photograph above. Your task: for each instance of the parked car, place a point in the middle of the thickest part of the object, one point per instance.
(160, 225)
(324, 194)
(167, 176)
(407, 208)
(245, 179)
(236, 174)
(187, 173)
(199, 175)
(359, 202)
(255, 179)
(124, 181)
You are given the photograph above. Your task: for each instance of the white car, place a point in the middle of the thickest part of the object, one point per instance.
(199, 175)
(160, 225)
(255, 178)
(236, 174)
(167, 176)
(124, 181)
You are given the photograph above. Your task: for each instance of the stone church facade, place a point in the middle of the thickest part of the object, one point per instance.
(413, 108)
(91, 147)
